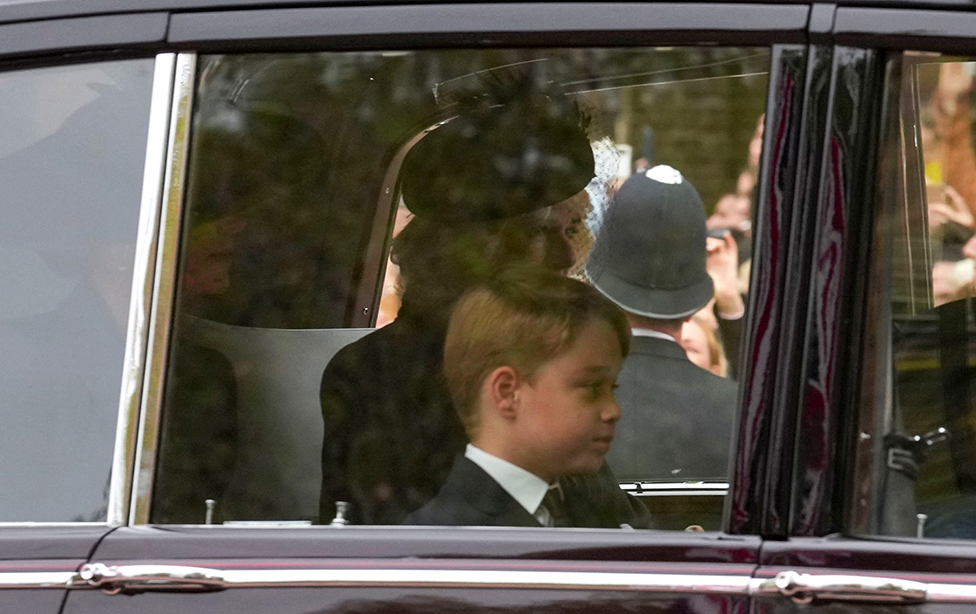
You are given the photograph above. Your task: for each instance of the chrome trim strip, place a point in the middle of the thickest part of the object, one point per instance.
(684, 486)
(671, 489)
(951, 593)
(137, 332)
(61, 523)
(36, 579)
(164, 295)
(478, 578)
(173, 577)
(681, 493)
(136, 578)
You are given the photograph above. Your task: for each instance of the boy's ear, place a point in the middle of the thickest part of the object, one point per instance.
(503, 385)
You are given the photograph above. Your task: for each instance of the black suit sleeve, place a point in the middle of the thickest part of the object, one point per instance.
(730, 334)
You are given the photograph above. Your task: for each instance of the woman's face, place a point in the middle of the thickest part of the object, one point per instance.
(556, 226)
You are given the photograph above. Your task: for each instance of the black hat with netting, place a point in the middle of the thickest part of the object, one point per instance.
(512, 142)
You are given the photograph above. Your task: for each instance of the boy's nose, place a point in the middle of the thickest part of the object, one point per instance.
(611, 412)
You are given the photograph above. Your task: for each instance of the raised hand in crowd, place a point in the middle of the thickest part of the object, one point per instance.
(955, 210)
(722, 264)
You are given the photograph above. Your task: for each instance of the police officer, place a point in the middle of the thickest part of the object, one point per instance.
(649, 258)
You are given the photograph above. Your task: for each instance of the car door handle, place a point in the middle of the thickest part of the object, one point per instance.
(804, 588)
(142, 578)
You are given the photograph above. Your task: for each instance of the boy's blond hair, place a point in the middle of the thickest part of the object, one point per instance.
(521, 319)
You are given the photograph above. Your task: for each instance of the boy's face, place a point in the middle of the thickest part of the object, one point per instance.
(567, 412)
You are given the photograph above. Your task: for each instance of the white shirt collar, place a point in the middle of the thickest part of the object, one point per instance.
(525, 487)
(646, 332)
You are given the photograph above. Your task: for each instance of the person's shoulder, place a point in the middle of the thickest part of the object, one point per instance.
(452, 505)
(366, 344)
(659, 356)
(446, 511)
(721, 391)
(434, 513)
(362, 358)
(667, 370)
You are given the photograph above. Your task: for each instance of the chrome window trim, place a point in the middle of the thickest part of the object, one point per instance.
(36, 579)
(137, 331)
(56, 523)
(164, 286)
(135, 578)
(675, 489)
(170, 577)
(477, 578)
(950, 593)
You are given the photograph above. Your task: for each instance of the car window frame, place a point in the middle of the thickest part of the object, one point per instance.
(265, 30)
(675, 23)
(895, 34)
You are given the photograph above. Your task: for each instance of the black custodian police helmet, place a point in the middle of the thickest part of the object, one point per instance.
(649, 255)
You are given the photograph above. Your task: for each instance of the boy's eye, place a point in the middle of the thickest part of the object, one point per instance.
(595, 389)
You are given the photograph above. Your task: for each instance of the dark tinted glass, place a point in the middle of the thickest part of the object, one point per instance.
(916, 469)
(339, 204)
(72, 145)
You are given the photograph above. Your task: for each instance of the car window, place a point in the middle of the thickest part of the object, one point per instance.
(72, 145)
(340, 205)
(915, 473)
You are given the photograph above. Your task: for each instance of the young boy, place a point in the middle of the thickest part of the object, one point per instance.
(530, 362)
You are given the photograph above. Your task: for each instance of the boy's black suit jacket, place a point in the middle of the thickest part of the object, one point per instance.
(471, 497)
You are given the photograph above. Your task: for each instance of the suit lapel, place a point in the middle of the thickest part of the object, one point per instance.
(486, 495)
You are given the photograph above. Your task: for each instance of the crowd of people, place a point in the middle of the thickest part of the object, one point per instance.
(946, 131)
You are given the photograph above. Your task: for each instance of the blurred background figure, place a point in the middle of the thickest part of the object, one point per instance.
(950, 177)
(729, 247)
(725, 313)
(733, 211)
(703, 347)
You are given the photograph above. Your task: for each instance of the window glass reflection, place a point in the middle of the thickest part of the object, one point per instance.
(341, 204)
(916, 474)
(72, 145)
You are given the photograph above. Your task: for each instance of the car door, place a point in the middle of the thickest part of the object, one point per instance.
(224, 508)
(71, 167)
(879, 520)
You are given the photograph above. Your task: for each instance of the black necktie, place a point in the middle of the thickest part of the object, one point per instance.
(554, 504)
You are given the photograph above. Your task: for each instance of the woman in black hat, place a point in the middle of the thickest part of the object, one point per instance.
(490, 188)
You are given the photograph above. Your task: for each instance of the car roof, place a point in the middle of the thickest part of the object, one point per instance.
(29, 10)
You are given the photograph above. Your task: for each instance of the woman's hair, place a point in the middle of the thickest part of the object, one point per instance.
(717, 360)
(438, 263)
(522, 318)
